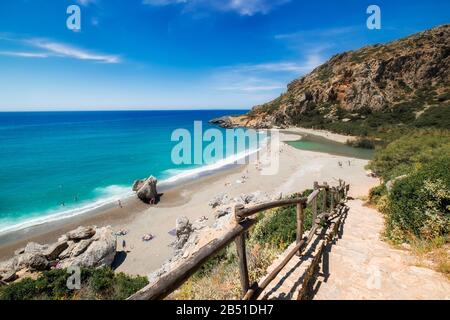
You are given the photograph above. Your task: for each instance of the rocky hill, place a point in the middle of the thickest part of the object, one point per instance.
(405, 82)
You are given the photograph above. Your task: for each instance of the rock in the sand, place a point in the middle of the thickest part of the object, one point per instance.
(80, 247)
(33, 247)
(81, 233)
(54, 250)
(183, 232)
(148, 192)
(138, 184)
(219, 200)
(99, 253)
(67, 253)
(32, 261)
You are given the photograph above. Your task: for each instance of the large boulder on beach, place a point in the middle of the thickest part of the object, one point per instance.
(147, 191)
(81, 233)
(138, 184)
(99, 253)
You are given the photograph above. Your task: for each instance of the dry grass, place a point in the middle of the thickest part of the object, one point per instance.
(221, 281)
(434, 254)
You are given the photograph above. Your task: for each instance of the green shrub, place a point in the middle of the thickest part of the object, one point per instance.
(278, 227)
(101, 283)
(364, 143)
(410, 151)
(419, 205)
(436, 116)
(376, 193)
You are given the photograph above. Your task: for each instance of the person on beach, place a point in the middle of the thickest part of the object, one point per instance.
(124, 245)
(120, 203)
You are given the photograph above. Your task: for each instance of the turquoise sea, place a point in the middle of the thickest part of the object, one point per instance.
(60, 164)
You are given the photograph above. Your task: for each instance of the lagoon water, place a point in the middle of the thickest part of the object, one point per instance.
(60, 164)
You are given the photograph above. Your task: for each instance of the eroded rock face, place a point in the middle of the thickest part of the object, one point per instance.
(352, 84)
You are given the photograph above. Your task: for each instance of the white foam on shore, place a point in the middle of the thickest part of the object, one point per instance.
(182, 176)
(109, 195)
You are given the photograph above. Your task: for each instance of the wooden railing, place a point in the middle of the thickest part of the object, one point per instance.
(245, 217)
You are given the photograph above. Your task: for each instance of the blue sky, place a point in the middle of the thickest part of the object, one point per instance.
(180, 54)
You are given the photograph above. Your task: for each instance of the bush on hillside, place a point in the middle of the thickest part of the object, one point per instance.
(419, 205)
(410, 152)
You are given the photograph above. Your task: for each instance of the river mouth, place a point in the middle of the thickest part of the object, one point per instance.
(315, 143)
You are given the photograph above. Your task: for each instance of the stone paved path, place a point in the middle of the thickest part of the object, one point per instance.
(361, 266)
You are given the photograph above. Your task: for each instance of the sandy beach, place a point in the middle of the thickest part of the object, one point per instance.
(298, 170)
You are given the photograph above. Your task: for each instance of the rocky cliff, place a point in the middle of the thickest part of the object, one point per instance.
(402, 82)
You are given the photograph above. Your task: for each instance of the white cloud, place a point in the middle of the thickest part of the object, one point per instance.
(63, 50)
(317, 33)
(72, 52)
(23, 54)
(86, 2)
(312, 61)
(242, 7)
(56, 49)
(250, 88)
(270, 77)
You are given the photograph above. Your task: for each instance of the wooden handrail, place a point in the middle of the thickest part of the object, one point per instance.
(175, 278)
(245, 218)
(242, 212)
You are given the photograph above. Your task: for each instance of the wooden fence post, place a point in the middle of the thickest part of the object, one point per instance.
(299, 224)
(325, 197)
(243, 268)
(242, 254)
(314, 204)
(333, 195)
